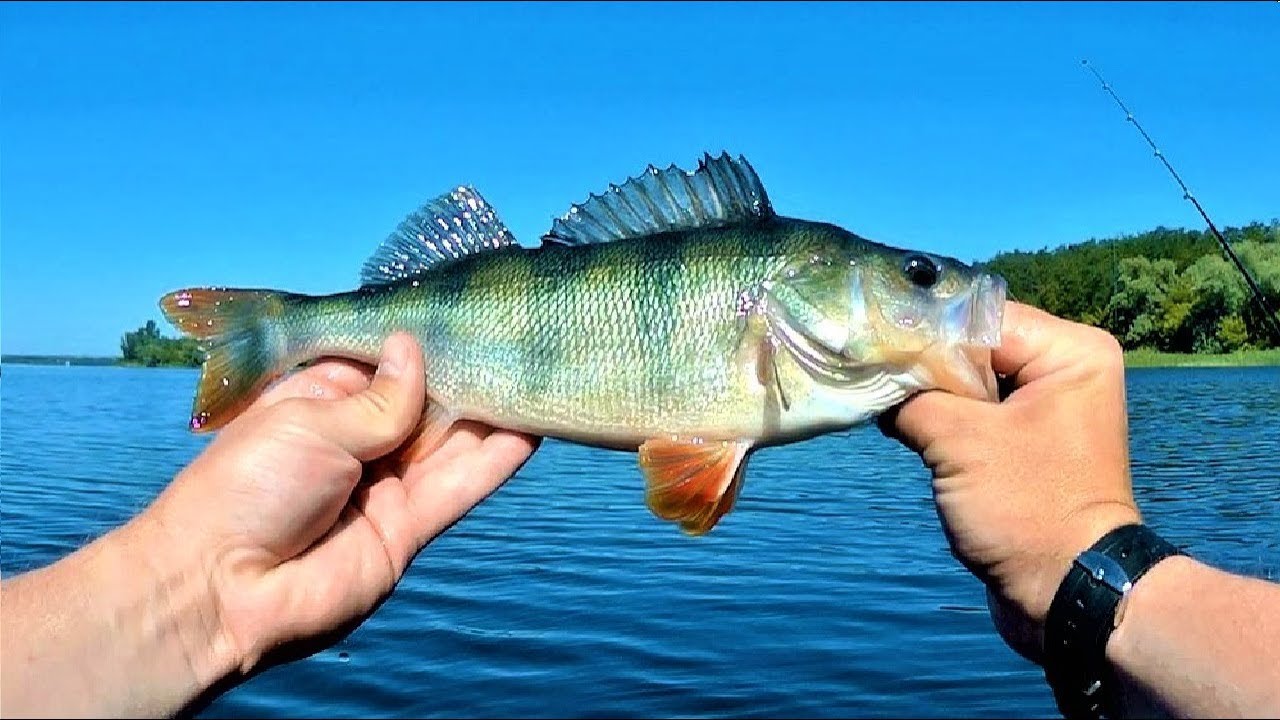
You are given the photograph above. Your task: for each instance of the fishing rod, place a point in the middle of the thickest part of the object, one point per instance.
(1268, 313)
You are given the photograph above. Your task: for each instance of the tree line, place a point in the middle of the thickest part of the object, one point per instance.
(1172, 290)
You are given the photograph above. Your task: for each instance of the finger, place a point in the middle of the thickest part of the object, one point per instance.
(328, 379)
(376, 420)
(384, 504)
(505, 452)
(924, 418)
(441, 498)
(1026, 333)
(1035, 343)
(468, 444)
(462, 439)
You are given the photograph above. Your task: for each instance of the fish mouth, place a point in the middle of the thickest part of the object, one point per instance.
(974, 319)
(961, 363)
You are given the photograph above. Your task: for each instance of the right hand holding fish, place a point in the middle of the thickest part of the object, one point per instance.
(1025, 485)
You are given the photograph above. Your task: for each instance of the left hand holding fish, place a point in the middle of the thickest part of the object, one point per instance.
(283, 535)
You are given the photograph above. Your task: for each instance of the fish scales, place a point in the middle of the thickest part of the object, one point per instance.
(631, 339)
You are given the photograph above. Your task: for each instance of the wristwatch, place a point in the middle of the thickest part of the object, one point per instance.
(1087, 607)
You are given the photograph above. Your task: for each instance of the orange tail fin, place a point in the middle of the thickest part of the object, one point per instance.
(243, 347)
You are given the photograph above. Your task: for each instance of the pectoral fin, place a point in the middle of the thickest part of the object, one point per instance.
(758, 349)
(692, 481)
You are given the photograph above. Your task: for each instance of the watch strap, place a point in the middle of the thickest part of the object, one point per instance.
(1084, 613)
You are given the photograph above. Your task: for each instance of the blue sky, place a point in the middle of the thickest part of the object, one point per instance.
(149, 147)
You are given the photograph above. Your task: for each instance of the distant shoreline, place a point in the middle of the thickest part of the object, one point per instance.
(1132, 359)
(78, 360)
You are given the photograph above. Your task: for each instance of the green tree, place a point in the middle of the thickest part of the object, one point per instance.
(146, 346)
(1232, 334)
(1218, 292)
(1263, 261)
(1137, 311)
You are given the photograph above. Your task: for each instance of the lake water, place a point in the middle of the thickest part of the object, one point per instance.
(828, 592)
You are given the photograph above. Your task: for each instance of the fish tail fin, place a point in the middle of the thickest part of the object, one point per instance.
(244, 347)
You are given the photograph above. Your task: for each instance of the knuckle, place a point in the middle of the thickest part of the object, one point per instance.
(289, 409)
(376, 404)
(1106, 341)
(379, 412)
(1106, 348)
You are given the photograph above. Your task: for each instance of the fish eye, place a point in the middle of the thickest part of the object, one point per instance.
(921, 271)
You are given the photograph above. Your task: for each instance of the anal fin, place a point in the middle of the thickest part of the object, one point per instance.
(692, 481)
(430, 433)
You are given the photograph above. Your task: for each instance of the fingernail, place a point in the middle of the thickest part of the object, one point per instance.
(395, 355)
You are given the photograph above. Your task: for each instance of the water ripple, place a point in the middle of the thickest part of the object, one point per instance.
(829, 591)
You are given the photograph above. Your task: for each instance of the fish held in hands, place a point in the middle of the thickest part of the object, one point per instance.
(676, 315)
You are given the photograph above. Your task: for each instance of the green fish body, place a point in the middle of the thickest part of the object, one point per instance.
(676, 315)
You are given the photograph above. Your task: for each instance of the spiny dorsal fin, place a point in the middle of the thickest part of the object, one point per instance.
(453, 225)
(722, 191)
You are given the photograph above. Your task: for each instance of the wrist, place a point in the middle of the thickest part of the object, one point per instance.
(1024, 606)
(1198, 641)
(165, 608)
(124, 626)
(1169, 576)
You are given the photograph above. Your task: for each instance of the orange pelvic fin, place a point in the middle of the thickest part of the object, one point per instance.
(692, 481)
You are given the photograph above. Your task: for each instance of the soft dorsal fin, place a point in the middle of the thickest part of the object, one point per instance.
(722, 191)
(453, 225)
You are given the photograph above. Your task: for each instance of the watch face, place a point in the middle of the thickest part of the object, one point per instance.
(1105, 571)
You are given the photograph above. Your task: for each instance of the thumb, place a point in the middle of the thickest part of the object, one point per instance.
(922, 419)
(374, 421)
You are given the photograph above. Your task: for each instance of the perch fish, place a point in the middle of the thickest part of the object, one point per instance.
(676, 315)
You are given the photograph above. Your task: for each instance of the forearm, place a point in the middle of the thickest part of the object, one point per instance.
(1199, 642)
(122, 627)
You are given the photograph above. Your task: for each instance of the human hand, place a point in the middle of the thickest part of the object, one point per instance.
(307, 509)
(1025, 485)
